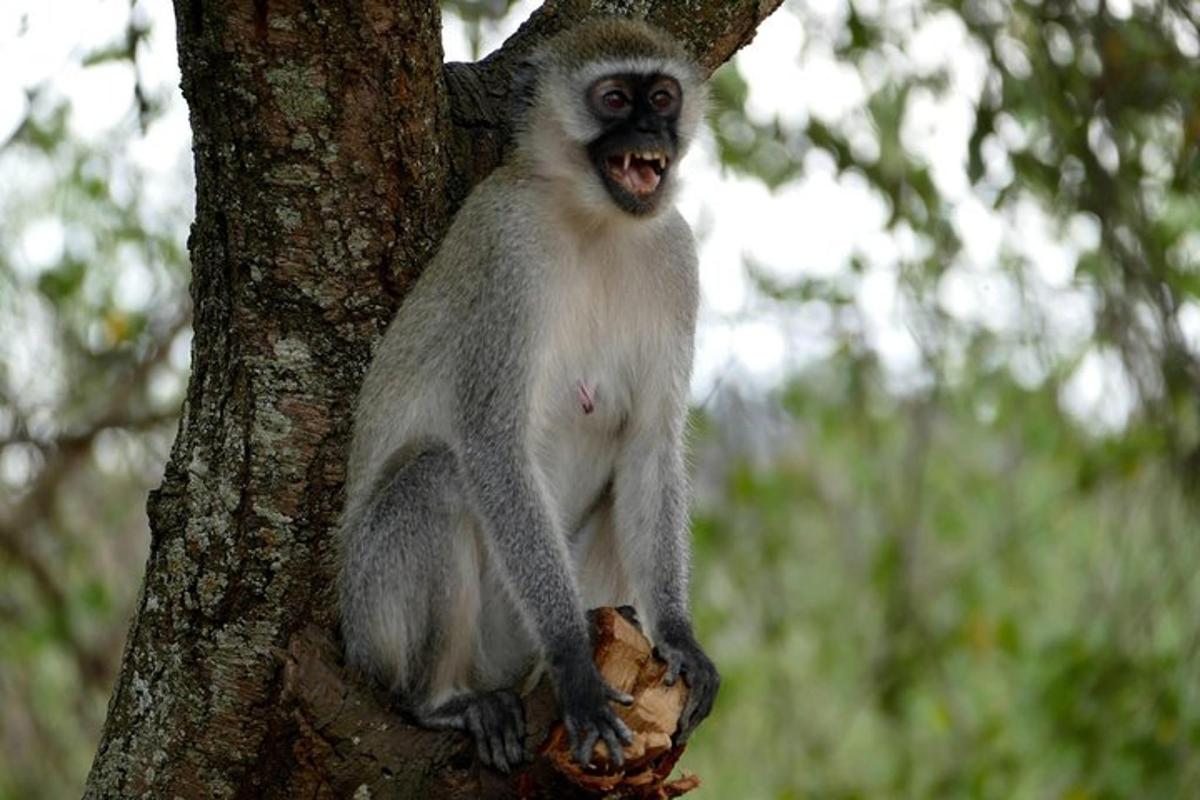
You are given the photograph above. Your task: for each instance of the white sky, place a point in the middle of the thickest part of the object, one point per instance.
(809, 227)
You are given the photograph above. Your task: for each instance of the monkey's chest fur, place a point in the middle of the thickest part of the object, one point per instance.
(601, 326)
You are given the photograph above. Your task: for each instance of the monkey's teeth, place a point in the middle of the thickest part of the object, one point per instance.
(638, 171)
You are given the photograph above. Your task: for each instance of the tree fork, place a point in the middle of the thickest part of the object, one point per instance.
(330, 155)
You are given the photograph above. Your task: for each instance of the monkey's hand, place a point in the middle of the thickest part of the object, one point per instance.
(684, 657)
(587, 710)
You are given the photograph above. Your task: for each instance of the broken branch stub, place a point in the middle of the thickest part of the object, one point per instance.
(627, 662)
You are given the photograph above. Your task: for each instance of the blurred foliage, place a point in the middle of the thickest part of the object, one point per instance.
(93, 334)
(1089, 112)
(955, 588)
(930, 581)
(938, 597)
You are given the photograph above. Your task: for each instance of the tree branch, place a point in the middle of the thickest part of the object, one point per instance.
(350, 736)
(479, 92)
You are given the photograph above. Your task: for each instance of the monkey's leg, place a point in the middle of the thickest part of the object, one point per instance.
(500, 653)
(412, 599)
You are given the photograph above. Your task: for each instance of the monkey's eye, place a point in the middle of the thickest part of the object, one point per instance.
(615, 100)
(662, 99)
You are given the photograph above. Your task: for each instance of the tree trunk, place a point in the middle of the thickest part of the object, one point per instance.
(330, 153)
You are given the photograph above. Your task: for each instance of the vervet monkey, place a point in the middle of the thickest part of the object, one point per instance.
(518, 443)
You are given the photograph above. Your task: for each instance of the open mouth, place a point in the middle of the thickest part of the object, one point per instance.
(637, 172)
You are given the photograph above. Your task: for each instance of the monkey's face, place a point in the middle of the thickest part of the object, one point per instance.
(605, 111)
(635, 151)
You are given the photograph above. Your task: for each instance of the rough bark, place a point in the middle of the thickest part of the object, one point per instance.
(330, 153)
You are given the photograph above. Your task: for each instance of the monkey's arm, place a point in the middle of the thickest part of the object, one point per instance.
(651, 520)
(651, 496)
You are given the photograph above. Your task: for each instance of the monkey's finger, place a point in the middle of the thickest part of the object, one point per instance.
(676, 664)
(694, 719)
(475, 726)
(495, 722)
(619, 696)
(615, 751)
(499, 757)
(518, 714)
(572, 733)
(708, 697)
(697, 708)
(687, 721)
(584, 754)
(619, 727)
(630, 615)
(513, 749)
(704, 705)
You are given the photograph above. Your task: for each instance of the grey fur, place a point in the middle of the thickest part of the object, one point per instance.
(485, 508)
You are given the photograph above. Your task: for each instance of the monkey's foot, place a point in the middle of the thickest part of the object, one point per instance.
(496, 720)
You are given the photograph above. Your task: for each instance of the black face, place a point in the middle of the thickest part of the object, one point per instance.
(635, 153)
